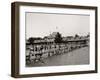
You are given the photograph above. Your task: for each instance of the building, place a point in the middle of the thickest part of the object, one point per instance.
(47, 47)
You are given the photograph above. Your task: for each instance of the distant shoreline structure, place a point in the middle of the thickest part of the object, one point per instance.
(55, 36)
(54, 44)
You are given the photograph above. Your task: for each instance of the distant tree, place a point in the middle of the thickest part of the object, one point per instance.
(76, 35)
(58, 38)
(88, 35)
(37, 38)
(45, 37)
(31, 40)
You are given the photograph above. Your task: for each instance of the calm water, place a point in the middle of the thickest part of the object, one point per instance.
(76, 57)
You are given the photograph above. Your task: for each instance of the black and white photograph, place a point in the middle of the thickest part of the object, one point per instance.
(53, 39)
(57, 39)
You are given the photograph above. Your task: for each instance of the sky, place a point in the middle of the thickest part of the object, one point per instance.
(43, 24)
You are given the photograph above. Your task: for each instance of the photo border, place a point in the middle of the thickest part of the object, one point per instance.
(15, 32)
